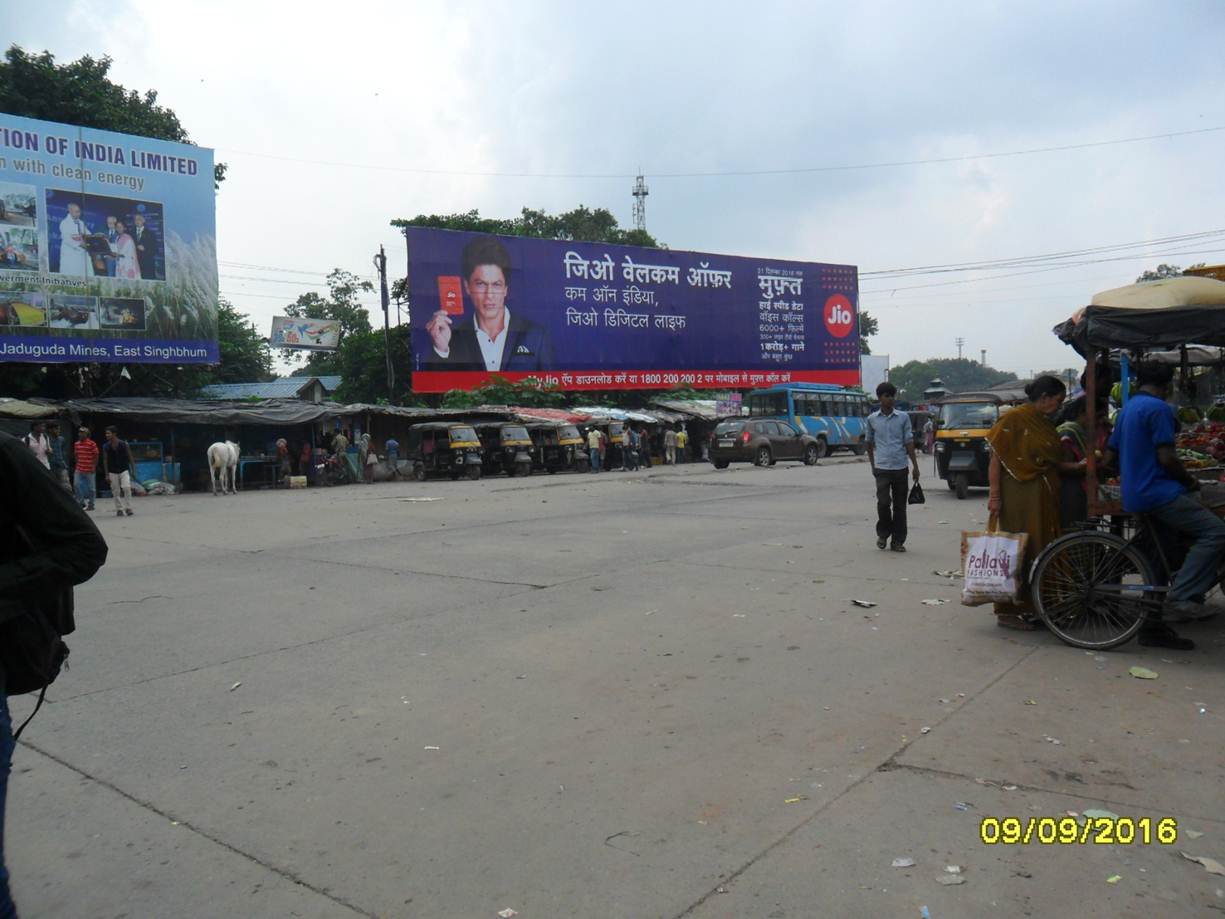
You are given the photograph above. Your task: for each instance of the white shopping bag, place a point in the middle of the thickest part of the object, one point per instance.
(991, 567)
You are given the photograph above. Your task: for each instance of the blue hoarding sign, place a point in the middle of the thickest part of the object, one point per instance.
(107, 247)
(596, 316)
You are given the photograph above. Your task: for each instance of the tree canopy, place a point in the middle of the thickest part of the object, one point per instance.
(342, 304)
(958, 374)
(582, 224)
(1163, 271)
(868, 326)
(82, 93)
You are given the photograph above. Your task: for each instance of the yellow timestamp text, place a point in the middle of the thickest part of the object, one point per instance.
(1068, 831)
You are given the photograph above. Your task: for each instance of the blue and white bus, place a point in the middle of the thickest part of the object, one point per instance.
(832, 414)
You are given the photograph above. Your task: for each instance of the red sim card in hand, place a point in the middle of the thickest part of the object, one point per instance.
(451, 294)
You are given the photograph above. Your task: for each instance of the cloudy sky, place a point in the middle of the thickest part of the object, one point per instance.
(338, 120)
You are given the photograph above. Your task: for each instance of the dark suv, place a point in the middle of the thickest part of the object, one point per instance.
(762, 441)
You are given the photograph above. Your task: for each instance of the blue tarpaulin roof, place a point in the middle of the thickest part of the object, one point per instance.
(284, 388)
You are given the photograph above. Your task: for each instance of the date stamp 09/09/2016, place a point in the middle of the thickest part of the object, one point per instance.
(1070, 831)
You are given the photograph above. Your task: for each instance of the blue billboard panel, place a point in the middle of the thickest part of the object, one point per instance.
(596, 316)
(108, 248)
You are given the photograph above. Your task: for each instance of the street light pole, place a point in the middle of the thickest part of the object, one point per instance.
(380, 265)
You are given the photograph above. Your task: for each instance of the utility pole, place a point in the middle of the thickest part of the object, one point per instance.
(640, 193)
(984, 354)
(960, 342)
(380, 265)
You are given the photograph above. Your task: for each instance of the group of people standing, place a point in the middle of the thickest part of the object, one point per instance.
(635, 451)
(56, 456)
(1039, 459)
(131, 253)
(1037, 467)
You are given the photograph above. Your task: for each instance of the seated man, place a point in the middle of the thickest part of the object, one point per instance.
(1155, 483)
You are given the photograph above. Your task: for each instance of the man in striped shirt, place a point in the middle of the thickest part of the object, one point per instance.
(86, 453)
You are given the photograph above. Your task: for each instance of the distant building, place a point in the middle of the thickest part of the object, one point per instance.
(307, 389)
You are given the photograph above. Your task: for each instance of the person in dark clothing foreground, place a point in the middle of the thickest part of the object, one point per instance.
(48, 544)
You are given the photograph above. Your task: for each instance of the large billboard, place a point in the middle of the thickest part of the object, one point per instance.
(596, 316)
(107, 247)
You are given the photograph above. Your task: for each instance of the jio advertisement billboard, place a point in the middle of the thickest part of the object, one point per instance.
(107, 247)
(595, 316)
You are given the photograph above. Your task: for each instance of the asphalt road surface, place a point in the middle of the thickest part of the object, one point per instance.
(615, 695)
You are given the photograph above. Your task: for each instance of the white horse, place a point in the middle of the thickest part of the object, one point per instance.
(223, 458)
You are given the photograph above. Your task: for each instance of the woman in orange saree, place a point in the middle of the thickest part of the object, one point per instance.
(1026, 460)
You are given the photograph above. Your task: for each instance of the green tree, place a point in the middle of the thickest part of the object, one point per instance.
(82, 93)
(958, 374)
(582, 224)
(341, 304)
(501, 391)
(361, 362)
(1163, 271)
(868, 326)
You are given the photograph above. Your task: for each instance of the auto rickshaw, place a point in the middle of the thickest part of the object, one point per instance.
(506, 447)
(557, 447)
(443, 448)
(962, 423)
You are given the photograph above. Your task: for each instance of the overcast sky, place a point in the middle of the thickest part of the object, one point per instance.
(564, 88)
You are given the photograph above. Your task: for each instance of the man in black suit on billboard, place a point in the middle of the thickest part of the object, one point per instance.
(146, 247)
(494, 339)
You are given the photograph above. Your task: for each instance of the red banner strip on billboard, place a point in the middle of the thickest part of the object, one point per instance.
(574, 380)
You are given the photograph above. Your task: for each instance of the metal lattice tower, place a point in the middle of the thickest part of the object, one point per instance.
(640, 203)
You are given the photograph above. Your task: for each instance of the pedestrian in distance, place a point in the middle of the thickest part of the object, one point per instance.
(392, 446)
(59, 463)
(38, 443)
(669, 447)
(890, 441)
(85, 462)
(682, 445)
(48, 545)
(593, 448)
(117, 464)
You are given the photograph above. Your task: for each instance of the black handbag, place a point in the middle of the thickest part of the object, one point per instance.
(916, 495)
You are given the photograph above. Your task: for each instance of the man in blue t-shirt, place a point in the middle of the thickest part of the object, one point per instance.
(1155, 483)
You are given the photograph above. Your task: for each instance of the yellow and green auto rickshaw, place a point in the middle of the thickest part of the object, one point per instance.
(557, 447)
(507, 447)
(443, 448)
(962, 423)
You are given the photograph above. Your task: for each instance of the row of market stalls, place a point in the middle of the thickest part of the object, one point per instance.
(170, 437)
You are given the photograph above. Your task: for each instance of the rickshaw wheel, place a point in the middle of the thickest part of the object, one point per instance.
(474, 472)
(1087, 587)
(961, 484)
(419, 473)
(454, 474)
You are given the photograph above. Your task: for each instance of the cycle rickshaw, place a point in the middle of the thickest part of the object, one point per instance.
(1095, 586)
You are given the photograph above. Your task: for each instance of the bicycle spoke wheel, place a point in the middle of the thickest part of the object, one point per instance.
(1093, 590)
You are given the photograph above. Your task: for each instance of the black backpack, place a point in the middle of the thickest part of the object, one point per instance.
(32, 648)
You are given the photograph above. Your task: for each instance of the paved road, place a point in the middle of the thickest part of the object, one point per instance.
(624, 695)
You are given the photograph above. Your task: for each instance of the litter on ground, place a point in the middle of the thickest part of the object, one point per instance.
(1211, 865)
(903, 863)
(865, 604)
(1143, 673)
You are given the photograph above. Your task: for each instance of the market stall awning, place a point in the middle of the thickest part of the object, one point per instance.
(1151, 316)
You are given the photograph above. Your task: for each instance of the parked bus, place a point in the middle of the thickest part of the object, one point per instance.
(832, 414)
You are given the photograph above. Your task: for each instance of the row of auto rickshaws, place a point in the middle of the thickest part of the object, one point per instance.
(460, 448)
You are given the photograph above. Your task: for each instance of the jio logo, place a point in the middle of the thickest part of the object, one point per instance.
(839, 316)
